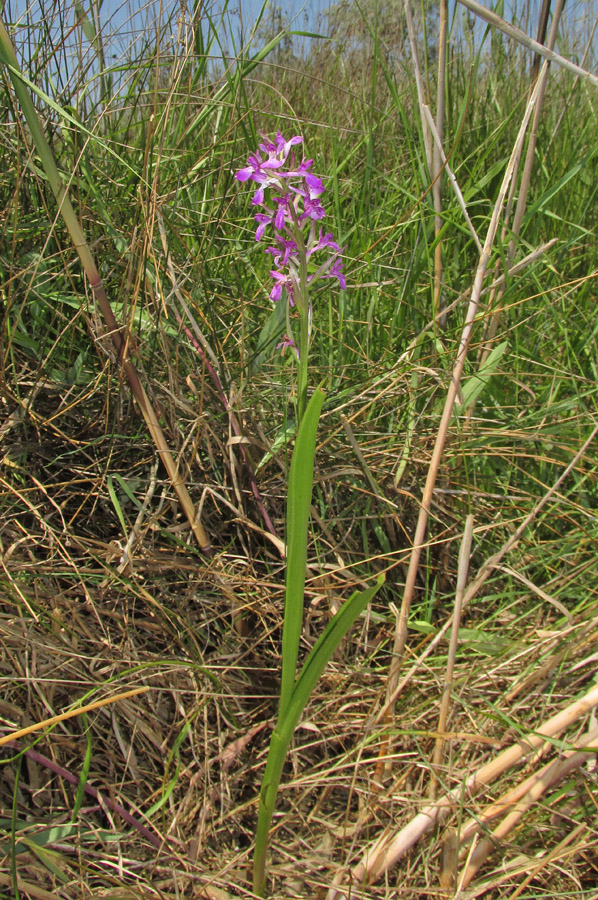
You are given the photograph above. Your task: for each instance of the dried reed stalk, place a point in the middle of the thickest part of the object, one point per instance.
(387, 850)
(464, 555)
(522, 38)
(520, 800)
(437, 158)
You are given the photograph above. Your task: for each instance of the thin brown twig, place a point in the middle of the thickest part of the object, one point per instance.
(118, 808)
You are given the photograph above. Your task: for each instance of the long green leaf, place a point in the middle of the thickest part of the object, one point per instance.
(326, 645)
(271, 332)
(80, 794)
(473, 387)
(314, 665)
(298, 509)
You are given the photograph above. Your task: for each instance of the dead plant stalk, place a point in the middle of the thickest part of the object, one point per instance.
(387, 850)
(523, 191)
(518, 801)
(464, 555)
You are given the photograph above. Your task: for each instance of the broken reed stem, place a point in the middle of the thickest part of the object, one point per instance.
(456, 189)
(422, 823)
(421, 95)
(437, 454)
(512, 797)
(464, 554)
(526, 796)
(514, 270)
(437, 160)
(555, 853)
(387, 850)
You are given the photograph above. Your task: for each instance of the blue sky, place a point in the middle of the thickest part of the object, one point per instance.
(125, 20)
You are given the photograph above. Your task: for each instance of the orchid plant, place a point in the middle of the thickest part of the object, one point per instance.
(289, 197)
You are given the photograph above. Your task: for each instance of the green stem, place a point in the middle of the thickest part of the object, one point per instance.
(288, 719)
(302, 303)
(277, 753)
(302, 367)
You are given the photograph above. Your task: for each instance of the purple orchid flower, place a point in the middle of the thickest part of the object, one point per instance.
(282, 280)
(262, 220)
(335, 272)
(312, 209)
(286, 250)
(288, 342)
(292, 211)
(324, 240)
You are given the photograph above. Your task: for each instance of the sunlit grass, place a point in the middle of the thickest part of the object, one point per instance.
(147, 144)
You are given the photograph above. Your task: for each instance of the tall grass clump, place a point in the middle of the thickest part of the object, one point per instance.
(253, 603)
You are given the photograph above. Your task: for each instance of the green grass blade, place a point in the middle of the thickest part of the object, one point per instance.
(80, 793)
(116, 504)
(298, 509)
(473, 386)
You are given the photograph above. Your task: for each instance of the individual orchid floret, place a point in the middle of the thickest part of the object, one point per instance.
(286, 250)
(288, 342)
(280, 149)
(331, 268)
(312, 209)
(282, 280)
(303, 168)
(282, 213)
(255, 168)
(324, 240)
(263, 221)
(335, 272)
(258, 169)
(315, 186)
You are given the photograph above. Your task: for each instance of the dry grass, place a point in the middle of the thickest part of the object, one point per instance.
(190, 750)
